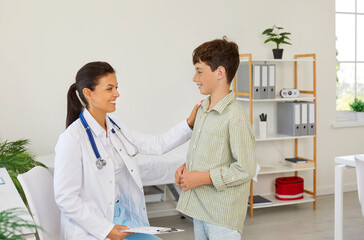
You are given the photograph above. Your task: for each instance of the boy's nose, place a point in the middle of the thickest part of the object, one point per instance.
(194, 79)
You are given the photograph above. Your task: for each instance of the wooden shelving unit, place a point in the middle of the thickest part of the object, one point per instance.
(306, 95)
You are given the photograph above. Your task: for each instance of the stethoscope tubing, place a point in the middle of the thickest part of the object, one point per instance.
(100, 163)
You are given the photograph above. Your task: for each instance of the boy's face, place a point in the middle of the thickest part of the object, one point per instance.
(206, 80)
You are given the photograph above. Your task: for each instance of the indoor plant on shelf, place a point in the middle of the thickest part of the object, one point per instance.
(263, 125)
(358, 107)
(14, 156)
(274, 35)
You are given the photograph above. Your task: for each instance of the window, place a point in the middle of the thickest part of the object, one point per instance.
(349, 52)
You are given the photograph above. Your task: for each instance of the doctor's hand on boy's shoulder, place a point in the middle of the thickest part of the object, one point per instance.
(116, 233)
(192, 117)
(192, 179)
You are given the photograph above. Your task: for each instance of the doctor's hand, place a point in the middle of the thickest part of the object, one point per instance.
(192, 117)
(178, 174)
(190, 180)
(116, 233)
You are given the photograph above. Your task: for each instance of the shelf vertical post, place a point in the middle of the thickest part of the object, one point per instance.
(313, 56)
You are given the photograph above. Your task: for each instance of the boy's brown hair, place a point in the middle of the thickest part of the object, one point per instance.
(219, 52)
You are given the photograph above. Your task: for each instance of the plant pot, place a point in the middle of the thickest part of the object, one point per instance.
(277, 53)
(360, 116)
(263, 129)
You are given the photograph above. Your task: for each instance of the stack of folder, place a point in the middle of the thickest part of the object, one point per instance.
(296, 118)
(298, 163)
(264, 80)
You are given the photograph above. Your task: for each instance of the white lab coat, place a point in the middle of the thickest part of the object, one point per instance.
(86, 194)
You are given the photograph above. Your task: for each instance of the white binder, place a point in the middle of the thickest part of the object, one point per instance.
(256, 81)
(271, 81)
(297, 120)
(304, 119)
(264, 78)
(311, 119)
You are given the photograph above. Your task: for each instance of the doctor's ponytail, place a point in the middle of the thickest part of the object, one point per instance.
(74, 106)
(87, 77)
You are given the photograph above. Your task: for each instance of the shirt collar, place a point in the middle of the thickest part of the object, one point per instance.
(94, 125)
(221, 105)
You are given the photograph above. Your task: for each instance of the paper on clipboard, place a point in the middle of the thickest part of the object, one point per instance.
(153, 230)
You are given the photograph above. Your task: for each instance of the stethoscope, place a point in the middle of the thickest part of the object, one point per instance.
(100, 163)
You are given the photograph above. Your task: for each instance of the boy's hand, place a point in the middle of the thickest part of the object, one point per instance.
(194, 179)
(192, 117)
(178, 174)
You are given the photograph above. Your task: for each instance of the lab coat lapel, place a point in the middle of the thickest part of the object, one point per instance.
(130, 163)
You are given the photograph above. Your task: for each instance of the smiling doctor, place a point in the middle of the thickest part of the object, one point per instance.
(97, 184)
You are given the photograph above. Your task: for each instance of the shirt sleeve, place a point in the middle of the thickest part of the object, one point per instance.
(160, 143)
(242, 145)
(67, 188)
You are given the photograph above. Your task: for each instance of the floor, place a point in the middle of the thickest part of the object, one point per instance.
(298, 222)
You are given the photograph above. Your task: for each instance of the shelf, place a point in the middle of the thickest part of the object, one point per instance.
(280, 168)
(275, 202)
(279, 60)
(277, 99)
(273, 163)
(277, 137)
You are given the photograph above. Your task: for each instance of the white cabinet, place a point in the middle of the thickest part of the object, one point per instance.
(299, 69)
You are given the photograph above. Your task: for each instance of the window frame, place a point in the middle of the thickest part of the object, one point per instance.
(344, 115)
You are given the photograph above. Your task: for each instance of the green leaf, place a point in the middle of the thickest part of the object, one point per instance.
(11, 223)
(269, 40)
(268, 30)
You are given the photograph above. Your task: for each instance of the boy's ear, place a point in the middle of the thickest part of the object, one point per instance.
(221, 72)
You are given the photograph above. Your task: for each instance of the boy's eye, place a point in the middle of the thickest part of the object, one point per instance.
(109, 89)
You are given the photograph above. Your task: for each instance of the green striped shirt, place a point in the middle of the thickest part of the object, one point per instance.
(223, 144)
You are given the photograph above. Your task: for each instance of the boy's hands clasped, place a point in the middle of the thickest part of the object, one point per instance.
(191, 179)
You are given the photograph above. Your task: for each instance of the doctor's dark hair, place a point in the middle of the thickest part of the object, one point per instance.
(87, 77)
(219, 52)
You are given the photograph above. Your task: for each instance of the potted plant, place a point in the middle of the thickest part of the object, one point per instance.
(274, 35)
(11, 224)
(358, 106)
(263, 125)
(14, 156)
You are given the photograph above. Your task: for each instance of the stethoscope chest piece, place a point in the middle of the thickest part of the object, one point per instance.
(100, 163)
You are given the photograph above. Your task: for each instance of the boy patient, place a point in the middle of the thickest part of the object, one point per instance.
(221, 156)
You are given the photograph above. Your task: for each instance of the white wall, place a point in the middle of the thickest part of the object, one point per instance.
(149, 43)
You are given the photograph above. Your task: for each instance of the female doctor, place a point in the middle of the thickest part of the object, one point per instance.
(95, 171)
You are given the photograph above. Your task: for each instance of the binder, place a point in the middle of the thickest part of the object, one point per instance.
(311, 119)
(242, 79)
(264, 82)
(304, 119)
(289, 118)
(271, 81)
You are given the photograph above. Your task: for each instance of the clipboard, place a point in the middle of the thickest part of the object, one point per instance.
(153, 230)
